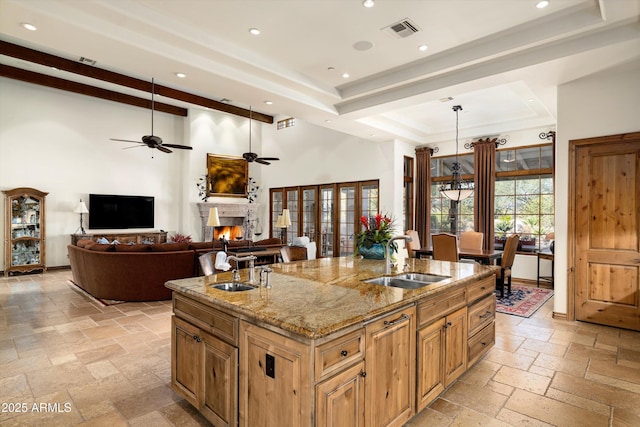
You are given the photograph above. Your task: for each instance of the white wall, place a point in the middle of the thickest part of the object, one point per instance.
(58, 142)
(606, 103)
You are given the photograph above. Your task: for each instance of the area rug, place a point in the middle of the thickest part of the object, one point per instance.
(523, 301)
(103, 302)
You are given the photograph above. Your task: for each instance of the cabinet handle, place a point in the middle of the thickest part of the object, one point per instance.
(197, 338)
(398, 320)
(344, 353)
(484, 344)
(447, 324)
(363, 374)
(482, 288)
(487, 314)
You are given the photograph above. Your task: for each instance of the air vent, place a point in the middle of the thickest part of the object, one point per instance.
(87, 61)
(402, 29)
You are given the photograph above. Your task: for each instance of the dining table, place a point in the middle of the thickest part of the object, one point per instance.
(483, 256)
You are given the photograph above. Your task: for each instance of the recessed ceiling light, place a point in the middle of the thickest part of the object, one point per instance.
(423, 47)
(181, 75)
(542, 4)
(254, 31)
(345, 75)
(372, 134)
(268, 102)
(368, 3)
(328, 121)
(28, 26)
(362, 45)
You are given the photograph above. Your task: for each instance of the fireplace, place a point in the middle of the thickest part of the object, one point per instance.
(231, 232)
(233, 218)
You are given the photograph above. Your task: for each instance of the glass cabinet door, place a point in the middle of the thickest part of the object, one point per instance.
(24, 247)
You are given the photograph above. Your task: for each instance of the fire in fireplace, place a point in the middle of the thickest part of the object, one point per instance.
(231, 232)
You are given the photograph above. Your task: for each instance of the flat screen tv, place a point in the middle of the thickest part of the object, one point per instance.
(112, 211)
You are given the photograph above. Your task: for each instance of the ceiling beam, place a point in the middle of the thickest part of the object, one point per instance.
(35, 56)
(88, 90)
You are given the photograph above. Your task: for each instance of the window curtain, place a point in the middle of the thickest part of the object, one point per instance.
(484, 195)
(423, 194)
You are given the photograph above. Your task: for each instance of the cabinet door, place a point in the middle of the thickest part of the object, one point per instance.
(430, 363)
(340, 400)
(186, 354)
(390, 367)
(275, 378)
(218, 401)
(455, 331)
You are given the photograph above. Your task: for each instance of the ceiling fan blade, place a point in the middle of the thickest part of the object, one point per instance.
(164, 149)
(135, 146)
(126, 140)
(262, 161)
(269, 158)
(182, 147)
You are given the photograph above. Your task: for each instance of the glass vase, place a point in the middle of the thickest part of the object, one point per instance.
(376, 251)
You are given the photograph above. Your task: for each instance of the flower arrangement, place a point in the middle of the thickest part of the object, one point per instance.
(180, 238)
(377, 229)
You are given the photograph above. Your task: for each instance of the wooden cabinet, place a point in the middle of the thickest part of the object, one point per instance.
(204, 360)
(275, 379)
(24, 231)
(340, 400)
(481, 318)
(442, 355)
(125, 238)
(390, 367)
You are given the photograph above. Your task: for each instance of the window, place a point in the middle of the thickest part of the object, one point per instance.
(407, 194)
(448, 216)
(524, 196)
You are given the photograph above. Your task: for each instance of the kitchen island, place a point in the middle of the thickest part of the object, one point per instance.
(323, 347)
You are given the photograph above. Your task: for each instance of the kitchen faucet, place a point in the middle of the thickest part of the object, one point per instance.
(251, 259)
(387, 257)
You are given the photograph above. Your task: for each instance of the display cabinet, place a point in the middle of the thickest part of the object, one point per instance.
(24, 232)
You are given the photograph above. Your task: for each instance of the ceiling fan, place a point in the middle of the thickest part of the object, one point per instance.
(153, 141)
(253, 157)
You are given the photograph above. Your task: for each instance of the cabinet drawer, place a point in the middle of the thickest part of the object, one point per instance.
(440, 305)
(480, 343)
(481, 313)
(339, 353)
(207, 318)
(481, 288)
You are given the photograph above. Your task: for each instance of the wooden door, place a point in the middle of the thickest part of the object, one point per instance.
(185, 360)
(347, 217)
(219, 397)
(327, 220)
(390, 367)
(430, 363)
(274, 379)
(607, 230)
(340, 399)
(455, 352)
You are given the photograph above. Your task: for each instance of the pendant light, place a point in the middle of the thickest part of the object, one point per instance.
(457, 189)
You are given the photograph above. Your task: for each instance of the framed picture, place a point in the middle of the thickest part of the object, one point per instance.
(227, 176)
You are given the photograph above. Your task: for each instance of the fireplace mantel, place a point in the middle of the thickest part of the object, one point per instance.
(229, 214)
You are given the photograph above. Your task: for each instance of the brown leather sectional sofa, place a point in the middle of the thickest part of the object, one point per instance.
(139, 272)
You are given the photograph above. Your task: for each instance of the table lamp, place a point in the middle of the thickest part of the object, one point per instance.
(214, 221)
(81, 208)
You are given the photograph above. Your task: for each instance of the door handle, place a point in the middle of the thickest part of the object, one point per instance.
(390, 323)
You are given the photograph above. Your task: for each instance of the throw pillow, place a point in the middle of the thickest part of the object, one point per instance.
(102, 240)
(83, 242)
(133, 248)
(100, 247)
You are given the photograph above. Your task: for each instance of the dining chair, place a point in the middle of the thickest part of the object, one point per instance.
(445, 247)
(293, 253)
(472, 240)
(414, 244)
(509, 254)
(207, 263)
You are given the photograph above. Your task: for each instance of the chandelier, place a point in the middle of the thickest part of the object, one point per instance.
(457, 189)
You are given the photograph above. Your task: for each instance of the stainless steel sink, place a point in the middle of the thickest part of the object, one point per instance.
(407, 280)
(233, 287)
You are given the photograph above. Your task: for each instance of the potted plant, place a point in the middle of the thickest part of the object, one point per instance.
(376, 233)
(503, 226)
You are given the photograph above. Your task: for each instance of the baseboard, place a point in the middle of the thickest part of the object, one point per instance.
(559, 316)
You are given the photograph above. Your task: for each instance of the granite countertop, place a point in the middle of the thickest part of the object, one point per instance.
(315, 298)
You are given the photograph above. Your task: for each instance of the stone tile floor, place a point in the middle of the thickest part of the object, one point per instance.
(67, 360)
